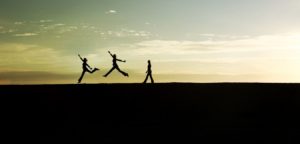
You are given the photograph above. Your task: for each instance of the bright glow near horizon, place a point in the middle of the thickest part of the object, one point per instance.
(187, 41)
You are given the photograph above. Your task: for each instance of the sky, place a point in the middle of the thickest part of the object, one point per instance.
(186, 40)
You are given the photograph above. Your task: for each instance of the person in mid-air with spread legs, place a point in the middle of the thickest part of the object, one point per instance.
(85, 68)
(115, 65)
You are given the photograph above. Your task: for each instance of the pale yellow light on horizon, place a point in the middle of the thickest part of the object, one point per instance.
(262, 58)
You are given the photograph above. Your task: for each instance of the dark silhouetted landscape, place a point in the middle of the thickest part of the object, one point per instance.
(155, 113)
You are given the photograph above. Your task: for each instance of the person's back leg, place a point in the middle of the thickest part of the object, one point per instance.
(124, 73)
(152, 81)
(80, 78)
(88, 71)
(95, 69)
(109, 71)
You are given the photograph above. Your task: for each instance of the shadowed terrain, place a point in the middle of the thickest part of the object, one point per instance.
(156, 113)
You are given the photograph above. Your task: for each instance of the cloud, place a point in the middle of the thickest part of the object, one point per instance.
(58, 28)
(124, 33)
(264, 55)
(212, 36)
(26, 34)
(5, 31)
(46, 21)
(19, 23)
(67, 29)
(44, 27)
(59, 24)
(111, 12)
(207, 35)
(52, 26)
(245, 44)
(11, 30)
(172, 47)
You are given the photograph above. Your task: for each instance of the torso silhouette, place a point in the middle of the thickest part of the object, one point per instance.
(149, 69)
(84, 65)
(114, 61)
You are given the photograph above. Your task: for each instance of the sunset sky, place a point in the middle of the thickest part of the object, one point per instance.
(186, 40)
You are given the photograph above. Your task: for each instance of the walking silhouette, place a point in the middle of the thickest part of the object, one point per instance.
(149, 73)
(115, 65)
(85, 68)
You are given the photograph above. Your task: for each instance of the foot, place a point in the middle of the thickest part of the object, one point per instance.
(127, 75)
(96, 69)
(104, 76)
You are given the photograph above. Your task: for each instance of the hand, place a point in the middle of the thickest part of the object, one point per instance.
(108, 51)
(124, 60)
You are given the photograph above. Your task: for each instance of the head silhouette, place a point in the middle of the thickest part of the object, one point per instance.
(114, 55)
(85, 60)
(149, 61)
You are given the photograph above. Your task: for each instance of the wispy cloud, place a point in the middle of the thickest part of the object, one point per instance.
(26, 34)
(46, 21)
(59, 28)
(51, 26)
(6, 31)
(111, 12)
(19, 23)
(67, 29)
(124, 33)
(266, 54)
(59, 24)
(259, 43)
(55, 30)
(207, 35)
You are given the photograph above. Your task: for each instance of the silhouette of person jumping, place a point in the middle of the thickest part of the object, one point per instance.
(149, 73)
(85, 68)
(115, 65)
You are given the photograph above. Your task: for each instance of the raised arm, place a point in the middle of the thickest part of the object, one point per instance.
(80, 57)
(110, 53)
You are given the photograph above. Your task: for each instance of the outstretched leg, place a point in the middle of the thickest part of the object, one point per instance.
(109, 71)
(146, 78)
(82, 74)
(124, 73)
(95, 69)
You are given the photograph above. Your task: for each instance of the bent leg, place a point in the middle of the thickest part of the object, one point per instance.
(109, 71)
(89, 71)
(95, 69)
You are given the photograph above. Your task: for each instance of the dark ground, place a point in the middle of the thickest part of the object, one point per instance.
(159, 113)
